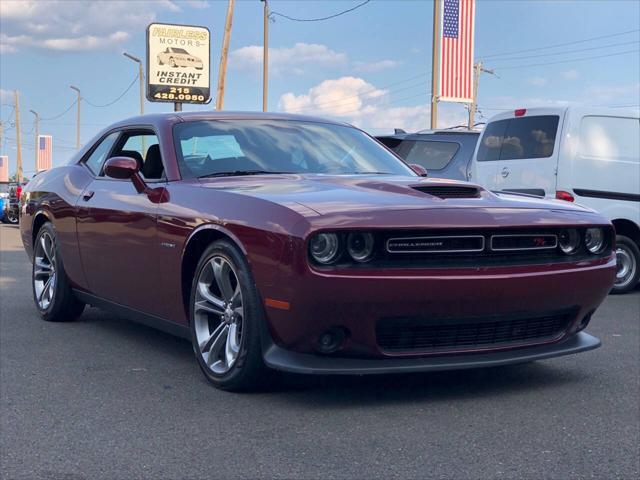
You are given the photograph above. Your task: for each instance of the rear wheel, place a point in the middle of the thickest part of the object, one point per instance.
(12, 215)
(226, 318)
(628, 263)
(52, 293)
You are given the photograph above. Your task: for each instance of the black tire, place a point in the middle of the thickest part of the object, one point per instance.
(248, 371)
(172, 63)
(63, 306)
(12, 216)
(627, 251)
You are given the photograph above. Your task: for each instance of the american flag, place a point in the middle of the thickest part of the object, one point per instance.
(4, 168)
(456, 51)
(44, 153)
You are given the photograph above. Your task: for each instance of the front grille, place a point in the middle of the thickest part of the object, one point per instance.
(449, 191)
(424, 335)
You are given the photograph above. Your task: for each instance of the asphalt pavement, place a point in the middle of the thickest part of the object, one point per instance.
(106, 398)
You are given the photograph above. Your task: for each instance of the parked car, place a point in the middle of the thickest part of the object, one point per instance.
(12, 204)
(587, 155)
(443, 153)
(303, 245)
(4, 203)
(179, 57)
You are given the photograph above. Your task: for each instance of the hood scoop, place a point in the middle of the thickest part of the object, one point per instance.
(449, 191)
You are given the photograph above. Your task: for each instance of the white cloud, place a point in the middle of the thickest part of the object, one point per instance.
(375, 66)
(570, 74)
(287, 60)
(76, 25)
(356, 101)
(537, 81)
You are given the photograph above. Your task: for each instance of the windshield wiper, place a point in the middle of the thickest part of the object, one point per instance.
(240, 173)
(368, 173)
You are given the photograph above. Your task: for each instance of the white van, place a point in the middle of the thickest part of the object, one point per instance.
(587, 155)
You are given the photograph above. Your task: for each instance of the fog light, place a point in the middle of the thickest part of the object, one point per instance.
(585, 321)
(594, 239)
(331, 340)
(360, 246)
(569, 240)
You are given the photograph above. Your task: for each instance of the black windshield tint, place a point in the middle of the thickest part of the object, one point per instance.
(516, 138)
(432, 155)
(205, 148)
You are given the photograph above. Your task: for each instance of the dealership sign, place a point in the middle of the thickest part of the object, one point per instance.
(178, 63)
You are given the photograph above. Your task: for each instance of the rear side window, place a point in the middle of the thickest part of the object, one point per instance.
(610, 137)
(516, 138)
(432, 155)
(98, 156)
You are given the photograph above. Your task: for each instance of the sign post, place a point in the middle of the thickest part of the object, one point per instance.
(178, 58)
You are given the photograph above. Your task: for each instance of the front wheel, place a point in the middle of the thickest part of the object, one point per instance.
(226, 317)
(52, 293)
(12, 216)
(628, 263)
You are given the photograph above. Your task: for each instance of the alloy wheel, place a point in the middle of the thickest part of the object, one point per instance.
(626, 266)
(218, 314)
(44, 271)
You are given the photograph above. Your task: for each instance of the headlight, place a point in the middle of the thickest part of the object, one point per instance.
(569, 241)
(324, 247)
(594, 239)
(360, 246)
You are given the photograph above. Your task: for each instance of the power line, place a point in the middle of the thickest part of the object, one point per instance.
(60, 114)
(568, 60)
(566, 51)
(575, 42)
(293, 19)
(116, 99)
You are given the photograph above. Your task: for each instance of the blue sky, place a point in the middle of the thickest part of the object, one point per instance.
(369, 67)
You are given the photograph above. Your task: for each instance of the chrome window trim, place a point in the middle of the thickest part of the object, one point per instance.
(436, 237)
(555, 245)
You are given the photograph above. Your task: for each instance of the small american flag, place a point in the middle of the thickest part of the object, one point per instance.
(4, 168)
(44, 153)
(456, 51)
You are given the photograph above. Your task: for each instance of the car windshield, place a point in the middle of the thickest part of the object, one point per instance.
(244, 147)
(179, 50)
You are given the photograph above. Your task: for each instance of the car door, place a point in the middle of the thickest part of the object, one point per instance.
(529, 154)
(117, 231)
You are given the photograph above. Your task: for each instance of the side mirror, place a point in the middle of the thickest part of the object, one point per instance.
(419, 169)
(121, 168)
(125, 168)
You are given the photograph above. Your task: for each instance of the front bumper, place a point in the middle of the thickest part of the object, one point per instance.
(285, 360)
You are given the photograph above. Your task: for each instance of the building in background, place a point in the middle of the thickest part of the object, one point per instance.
(4, 169)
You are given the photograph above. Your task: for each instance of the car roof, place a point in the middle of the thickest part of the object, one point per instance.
(178, 117)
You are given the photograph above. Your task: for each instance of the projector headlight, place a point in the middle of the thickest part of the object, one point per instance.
(594, 240)
(324, 247)
(360, 246)
(569, 241)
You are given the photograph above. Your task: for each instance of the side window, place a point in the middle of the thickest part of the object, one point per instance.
(99, 155)
(491, 142)
(432, 155)
(530, 137)
(144, 148)
(610, 138)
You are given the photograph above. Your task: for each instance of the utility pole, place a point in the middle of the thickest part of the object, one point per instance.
(473, 108)
(18, 142)
(222, 72)
(36, 137)
(435, 60)
(265, 57)
(78, 115)
(141, 77)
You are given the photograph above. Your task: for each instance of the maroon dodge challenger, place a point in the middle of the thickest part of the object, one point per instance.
(303, 245)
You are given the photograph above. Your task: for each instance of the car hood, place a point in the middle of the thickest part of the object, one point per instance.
(336, 194)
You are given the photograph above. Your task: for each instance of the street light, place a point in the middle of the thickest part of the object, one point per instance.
(36, 136)
(78, 119)
(141, 77)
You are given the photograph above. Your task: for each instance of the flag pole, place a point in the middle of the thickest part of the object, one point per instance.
(435, 60)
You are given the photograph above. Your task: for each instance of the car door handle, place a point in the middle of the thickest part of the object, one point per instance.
(505, 172)
(86, 196)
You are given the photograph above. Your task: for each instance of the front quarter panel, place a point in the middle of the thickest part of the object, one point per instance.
(54, 194)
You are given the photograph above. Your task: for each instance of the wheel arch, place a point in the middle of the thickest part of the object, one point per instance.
(196, 244)
(39, 219)
(628, 229)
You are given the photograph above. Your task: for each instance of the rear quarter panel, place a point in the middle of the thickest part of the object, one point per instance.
(54, 194)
